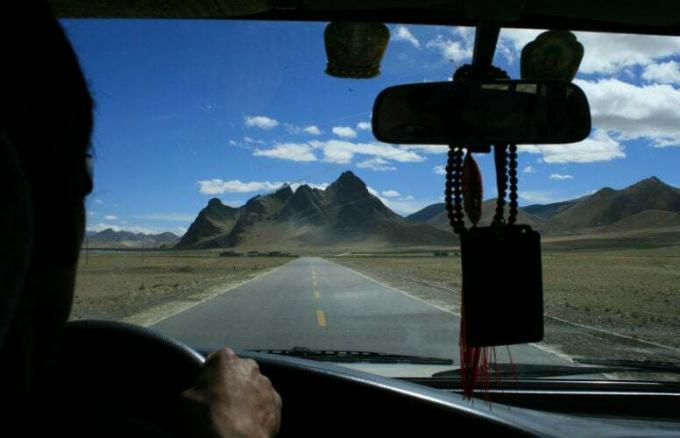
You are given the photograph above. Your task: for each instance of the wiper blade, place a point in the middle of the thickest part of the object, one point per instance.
(349, 356)
(644, 365)
(585, 366)
(502, 370)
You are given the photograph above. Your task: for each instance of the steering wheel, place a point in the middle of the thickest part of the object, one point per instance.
(124, 370)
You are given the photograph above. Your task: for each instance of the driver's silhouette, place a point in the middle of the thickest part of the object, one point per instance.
(45, 127)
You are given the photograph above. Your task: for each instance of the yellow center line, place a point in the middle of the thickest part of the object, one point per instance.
(317, 295)
(321, 318)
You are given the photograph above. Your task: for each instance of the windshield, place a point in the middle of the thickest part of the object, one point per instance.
(241, 199)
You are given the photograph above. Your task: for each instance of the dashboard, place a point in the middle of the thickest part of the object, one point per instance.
(342, 401)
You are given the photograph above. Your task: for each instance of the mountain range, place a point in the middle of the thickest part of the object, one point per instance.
(346, 215)
(649, 203)
(110, 238)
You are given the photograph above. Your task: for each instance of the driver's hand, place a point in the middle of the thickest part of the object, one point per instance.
(231, 398)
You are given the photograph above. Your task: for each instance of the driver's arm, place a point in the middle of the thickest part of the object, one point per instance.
(230, 398)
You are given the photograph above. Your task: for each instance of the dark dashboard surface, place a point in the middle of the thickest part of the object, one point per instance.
(353, 401)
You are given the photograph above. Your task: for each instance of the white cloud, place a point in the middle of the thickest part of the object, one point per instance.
(432, 149)
(181, 230)
(344, 131)
(133, 229)
(342, 152)
(598, 147)
(560, 176)
(252, 140)
(405, 205)
(312, 130)
(262, 122)
(439, 170)
(110, 217)
(364, 126)
(456, 51)
(401, 33)
(603, 53)
(296, 185)
(218, 186)
(174, 217)
(377, 164)
(538, 196)
(391, 193)
(529, 169)
(233, 143)
(649, 111)
(288, 151)
(99, 202)
(663, 72)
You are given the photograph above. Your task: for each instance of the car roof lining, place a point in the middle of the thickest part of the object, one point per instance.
(659, 17)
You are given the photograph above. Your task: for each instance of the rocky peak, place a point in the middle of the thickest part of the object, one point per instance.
(349, 186)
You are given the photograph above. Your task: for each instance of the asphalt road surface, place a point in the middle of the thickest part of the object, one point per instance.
(315, 303)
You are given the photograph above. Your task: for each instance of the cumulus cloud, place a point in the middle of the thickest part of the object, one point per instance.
(344, 131)
(342, 152)
(99, 202)
(133, 228)
(217, 186)
(402, 33)
(431, 149)
(452, 50)
(529, 169)
(173, 217)
(390, 193)
(439, 170)
(110, 217)
(649, 111)
(377, 164)
(560, 176)
(663, 73)
(538, 196)
(404, 205)
(288, 151)
(312, 130)
(364, 126)
(598, 147)
(252, 140)
(296, 185)
(604, 53)
(262, 122)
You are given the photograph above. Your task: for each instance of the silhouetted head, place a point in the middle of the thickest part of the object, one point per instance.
(45, 128)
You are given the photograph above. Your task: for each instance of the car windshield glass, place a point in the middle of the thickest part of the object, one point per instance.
(241, 199)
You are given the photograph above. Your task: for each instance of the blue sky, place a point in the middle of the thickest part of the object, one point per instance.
(190, 110)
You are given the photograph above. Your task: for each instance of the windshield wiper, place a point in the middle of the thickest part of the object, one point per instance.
(622, 364)
(585, 366)
(502, 370)
(349, 356)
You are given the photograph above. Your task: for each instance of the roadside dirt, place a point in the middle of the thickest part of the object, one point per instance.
(127, 286)
(605, 305)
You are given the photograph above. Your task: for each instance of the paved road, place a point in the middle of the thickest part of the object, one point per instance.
(315, 303)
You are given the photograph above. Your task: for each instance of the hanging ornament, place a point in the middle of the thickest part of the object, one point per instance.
(502, 287)
(355, 50)
(554, 55)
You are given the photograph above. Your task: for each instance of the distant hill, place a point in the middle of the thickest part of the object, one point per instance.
(110, 238)
(546, 211)
(344, 215)
(427, 213)
(649, 203)
(436, 215)
(608, 206)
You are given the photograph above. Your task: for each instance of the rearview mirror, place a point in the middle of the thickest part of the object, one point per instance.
(482, 114)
